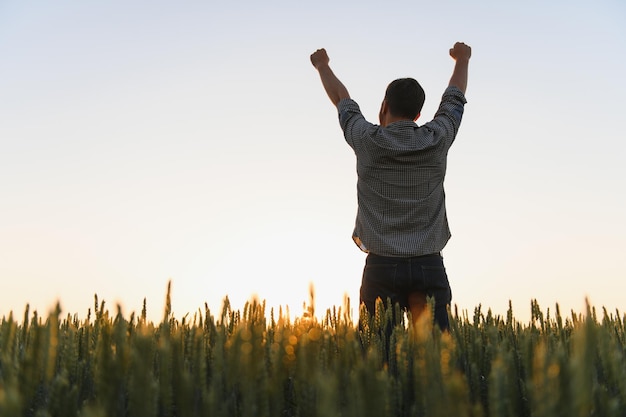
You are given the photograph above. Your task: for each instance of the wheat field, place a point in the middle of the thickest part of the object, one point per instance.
(252, 362)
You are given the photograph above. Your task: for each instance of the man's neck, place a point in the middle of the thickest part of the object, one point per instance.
(392, 119)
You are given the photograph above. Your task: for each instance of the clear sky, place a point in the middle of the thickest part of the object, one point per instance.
(148, 141)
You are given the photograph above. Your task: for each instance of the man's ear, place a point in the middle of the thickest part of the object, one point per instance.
(417, 117)
(385, 107)
(383, 113)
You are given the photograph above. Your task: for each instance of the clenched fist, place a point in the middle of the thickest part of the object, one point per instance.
(460, 51)
(319, 57)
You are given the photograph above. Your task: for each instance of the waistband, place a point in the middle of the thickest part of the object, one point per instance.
(430, 255)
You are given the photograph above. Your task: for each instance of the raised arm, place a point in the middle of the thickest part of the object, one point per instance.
(334, 88)
(461, 53)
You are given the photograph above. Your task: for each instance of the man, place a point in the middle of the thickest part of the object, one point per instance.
(401, 220)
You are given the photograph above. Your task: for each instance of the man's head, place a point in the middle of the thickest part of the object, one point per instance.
(404, 100)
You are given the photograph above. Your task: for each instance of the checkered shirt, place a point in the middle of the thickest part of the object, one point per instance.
(401, 170)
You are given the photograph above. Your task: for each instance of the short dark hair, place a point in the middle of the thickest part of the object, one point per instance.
(405, 98)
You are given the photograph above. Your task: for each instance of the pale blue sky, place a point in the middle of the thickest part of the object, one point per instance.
(153, 141)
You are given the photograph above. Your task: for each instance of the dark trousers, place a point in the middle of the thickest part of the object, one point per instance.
(396, 278)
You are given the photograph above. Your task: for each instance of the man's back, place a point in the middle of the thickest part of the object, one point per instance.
(401, 168)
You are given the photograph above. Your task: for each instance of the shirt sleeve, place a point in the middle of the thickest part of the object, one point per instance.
(352, 122)
(448, 117)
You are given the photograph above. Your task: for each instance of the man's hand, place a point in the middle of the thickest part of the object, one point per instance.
(319, 57)
(334, 88)
(460, 51)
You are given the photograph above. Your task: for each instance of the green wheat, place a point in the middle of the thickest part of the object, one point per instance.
(252, 362)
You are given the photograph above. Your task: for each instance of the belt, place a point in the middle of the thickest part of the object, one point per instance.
(407, 257)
